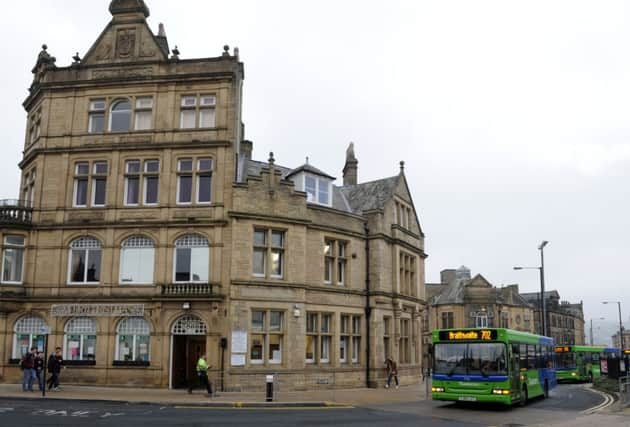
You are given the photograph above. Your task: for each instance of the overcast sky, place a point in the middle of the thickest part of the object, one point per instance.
(512, 117)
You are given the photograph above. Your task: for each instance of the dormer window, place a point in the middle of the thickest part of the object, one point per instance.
(315, 183)
(317, 189)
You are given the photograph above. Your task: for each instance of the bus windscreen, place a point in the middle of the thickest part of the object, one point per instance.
(483, 359)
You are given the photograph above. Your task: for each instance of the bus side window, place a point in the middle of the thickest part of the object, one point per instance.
(523, 357)
(531, 356)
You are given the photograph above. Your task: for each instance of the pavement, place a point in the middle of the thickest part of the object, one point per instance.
(341, 397)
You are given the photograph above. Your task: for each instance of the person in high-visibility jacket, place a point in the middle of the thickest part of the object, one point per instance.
(202, 375)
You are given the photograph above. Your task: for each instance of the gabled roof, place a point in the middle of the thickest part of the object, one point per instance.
(370, 195)
(309, 169)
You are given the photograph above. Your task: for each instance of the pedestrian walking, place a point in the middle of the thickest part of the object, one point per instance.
(27, 364)
(55, 362)
(392, 371)
(202, 376)
(39, 370)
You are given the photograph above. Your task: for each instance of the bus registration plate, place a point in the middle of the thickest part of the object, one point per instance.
(467, 398)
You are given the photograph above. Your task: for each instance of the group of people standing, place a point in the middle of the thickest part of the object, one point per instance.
(32, 365)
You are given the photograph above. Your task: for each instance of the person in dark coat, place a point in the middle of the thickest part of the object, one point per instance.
(54, 367)
(27, 364)
(39, 370)
(392, 371)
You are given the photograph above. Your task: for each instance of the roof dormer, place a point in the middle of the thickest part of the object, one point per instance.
(315, 183)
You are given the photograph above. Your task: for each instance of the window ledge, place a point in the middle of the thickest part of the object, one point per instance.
(130, 363)
(79, 362)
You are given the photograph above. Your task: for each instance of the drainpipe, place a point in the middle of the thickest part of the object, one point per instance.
(368, 309)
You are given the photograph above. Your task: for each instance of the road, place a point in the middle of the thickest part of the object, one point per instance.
(565, 404)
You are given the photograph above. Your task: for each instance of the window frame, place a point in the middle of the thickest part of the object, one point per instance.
(267, 332)
(135, 343)
(15, 247)
(336, 256)
(319, 336)
(86, 251)
(269, 249)
(93, 111)
(90, 178)
(190, 266)
(197, 109)
(82, 336)
(32, 332)
(114, 103)
(126, 249)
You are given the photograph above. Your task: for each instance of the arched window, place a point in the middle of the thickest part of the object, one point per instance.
(80, 339)
(133, 337)
(85, 260)
(120, 116)
(137, 260)
(28, 334)
(192, 259)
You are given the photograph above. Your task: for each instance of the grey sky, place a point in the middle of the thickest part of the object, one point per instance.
(512, 117)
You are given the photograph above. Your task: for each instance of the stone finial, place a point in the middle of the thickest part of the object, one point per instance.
(236, 52)
(307, 160)
(226, 50)
(161, 32)
(175, 53)
(402, 166)
(117, 7)
(351, 168)
(271, 159)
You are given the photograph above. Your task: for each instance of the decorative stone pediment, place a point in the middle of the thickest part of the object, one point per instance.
(125, 42)
(127, 38)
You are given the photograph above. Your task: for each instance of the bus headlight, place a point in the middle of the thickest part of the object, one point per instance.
(500, 391)
(437, 389)
(573, 374)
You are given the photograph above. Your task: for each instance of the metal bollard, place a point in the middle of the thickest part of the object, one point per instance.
(269, 397)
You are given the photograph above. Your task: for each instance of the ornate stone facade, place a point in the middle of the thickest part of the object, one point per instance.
(146, 234)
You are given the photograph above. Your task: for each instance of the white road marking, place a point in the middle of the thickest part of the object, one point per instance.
(608, 400)
(3, 410)
(109, 414)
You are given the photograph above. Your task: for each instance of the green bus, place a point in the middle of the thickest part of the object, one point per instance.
(579, 362)
(491, 365)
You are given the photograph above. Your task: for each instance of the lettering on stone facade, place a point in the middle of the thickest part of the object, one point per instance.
(97, 310)
(122, 73)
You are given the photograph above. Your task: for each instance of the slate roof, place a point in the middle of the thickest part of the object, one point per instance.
(370, 195)
(455, 293)
(534, 296)
(353, 198)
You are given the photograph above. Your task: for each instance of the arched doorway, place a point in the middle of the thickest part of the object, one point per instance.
(188, 342)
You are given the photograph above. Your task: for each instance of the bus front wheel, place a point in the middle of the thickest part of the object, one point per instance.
(524, 396)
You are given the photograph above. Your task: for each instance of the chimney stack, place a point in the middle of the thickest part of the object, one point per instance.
(351, 168)
(246, 149)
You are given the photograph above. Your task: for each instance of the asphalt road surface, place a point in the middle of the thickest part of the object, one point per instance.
(566, 401)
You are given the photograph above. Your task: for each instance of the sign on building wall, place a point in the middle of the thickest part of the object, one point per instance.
(97, 310)
(239, 348)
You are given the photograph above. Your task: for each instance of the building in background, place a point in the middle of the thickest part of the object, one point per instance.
(462, 301)
(146, 234)
(565, 321)
(626, 340)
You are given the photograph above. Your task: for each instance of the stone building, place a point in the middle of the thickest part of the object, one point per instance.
(626, 340)
(146, 234)
(462, 301)
(565, 321)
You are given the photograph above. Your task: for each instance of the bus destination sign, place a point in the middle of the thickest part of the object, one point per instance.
(469, 335)
(561, 349)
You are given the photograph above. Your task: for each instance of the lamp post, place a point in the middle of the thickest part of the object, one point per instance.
(541, 301)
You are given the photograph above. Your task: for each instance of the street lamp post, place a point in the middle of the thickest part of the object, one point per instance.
(541, 301)
(620, 340)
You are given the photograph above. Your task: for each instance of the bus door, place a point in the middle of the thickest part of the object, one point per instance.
(515, 370)
(580, 363)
